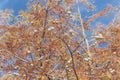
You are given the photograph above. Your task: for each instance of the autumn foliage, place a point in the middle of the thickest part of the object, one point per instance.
(45, 43)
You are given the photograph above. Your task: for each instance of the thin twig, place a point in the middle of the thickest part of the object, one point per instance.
(44, 25)
(86, 40)
(83, 31)
(9, 53)
(78, 46)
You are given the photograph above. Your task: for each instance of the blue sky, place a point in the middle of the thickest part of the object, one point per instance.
(18, 5)
(100, 5)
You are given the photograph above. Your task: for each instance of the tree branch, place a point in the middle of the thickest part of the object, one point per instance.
(71, 54)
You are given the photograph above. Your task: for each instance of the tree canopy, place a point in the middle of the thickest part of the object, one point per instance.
(50, 41)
